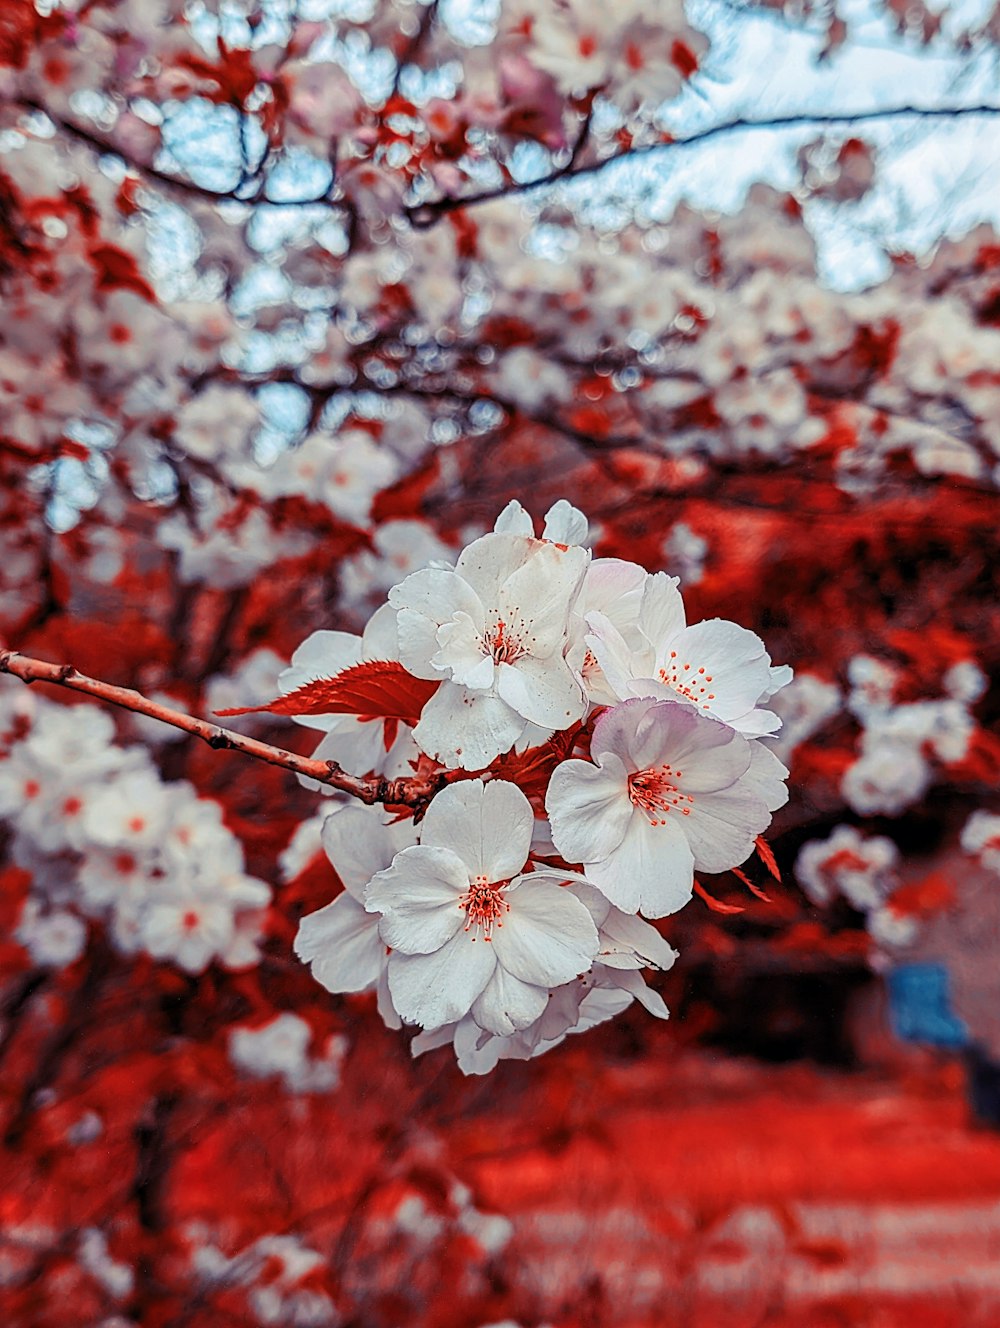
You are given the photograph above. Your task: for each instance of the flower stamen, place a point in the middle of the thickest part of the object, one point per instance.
(657, 791)
(687, 682)
(504, 645)
(484, 906)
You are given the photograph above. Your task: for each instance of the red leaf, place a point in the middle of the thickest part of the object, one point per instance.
(767, 857)
(117, 270)
(683, 59)
(754, 889)
(375, 689)
(716, 905)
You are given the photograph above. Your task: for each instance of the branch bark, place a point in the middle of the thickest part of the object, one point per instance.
(426, 214)
(415, 792)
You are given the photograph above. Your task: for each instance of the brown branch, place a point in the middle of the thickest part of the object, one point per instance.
(424, 215)
(182, 184)
(415, 792)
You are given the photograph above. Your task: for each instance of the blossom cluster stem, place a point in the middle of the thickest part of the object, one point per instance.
(414, 792)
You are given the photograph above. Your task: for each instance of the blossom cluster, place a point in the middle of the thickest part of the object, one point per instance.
(103, 837)
(595, 750)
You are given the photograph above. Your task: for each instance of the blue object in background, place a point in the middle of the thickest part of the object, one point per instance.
(920, 1008)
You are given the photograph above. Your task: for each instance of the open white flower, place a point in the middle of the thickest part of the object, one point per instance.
(468, 931)
(717, 666)
(496, 631)
(626, 944)
(669, 790)
(340, 942)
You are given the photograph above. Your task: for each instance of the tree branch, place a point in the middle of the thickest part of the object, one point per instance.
(180, 183)
(423, 215)
(415, 792)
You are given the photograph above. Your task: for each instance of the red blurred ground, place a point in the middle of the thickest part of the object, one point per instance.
(644, 1184)
(700, 1191)
(719, 1193)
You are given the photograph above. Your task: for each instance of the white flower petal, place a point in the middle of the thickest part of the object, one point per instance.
(418, 897)
(514, 520)
(462, 653)
(425, 600)
(722, 827)
(628, 942)
(507, 1004)
(490, 560)
(565, 524)
(487, 825)
(418, 643)
(548, 937)
(589, 808)
(545, 692)
(766, 777)
(342, 945)
(662, 614)
(737, 670)
(613, 587)
(651, 1000)
(320, 656)
(651, 871)
(358, 843)
(467, 729)
(618, 661)
(380, 639)
(537, 597)
(440, 988)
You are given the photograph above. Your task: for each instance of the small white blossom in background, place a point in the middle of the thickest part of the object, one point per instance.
(280, 1049)
(900, 743)
(803, 707)
(272, 1270)
(860, 868)
(54, 940)
(116, 1278)
(507, 918)
(981, 837)
(257, 673)
(685, 552)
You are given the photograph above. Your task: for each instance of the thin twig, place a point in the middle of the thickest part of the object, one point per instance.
(414, 792)
(425, 214)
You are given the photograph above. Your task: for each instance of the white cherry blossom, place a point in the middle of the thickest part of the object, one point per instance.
(470, 932)
(495, 631)
(668, 790)
(719, 667)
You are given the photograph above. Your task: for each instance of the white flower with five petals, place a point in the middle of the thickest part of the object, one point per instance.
(495, 632)
(468, 931)
(717, 666)
(668, 790)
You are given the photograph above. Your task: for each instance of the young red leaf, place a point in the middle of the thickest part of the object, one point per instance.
(754, 889)
(116, 269)
(374, 689)
(767, 857)
(716, 905)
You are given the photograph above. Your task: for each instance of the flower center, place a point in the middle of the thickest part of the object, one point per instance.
(484, 906)
(657, 791)
(690, 682)
(504, 644)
